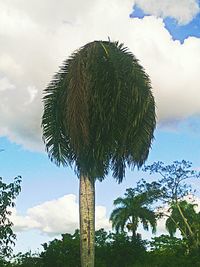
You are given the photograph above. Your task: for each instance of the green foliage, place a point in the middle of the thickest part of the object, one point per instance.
(169, 245)
(8, 193)
(118, 249)
(112, 249)
(4, 262)
(135, 207)
(62, 253)
(171, 251)
(27, 259)
(176, 221)
(184, 218)
(174, 188)
(99, 112)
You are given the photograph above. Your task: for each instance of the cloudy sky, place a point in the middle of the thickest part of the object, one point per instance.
(35, 37)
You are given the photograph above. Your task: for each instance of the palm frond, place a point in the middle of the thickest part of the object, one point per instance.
(119, 217)
(171, 226)
(120, 201)
(147, 218)
(131, 209)
(57, 142)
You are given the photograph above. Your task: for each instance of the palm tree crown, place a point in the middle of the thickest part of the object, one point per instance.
(99, 112)
(131, 210)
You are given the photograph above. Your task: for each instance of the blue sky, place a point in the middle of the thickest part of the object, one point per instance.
(178, 31)
(166, 40)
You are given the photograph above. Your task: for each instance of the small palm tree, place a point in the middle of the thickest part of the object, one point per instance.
(131, 210)
(99, 114)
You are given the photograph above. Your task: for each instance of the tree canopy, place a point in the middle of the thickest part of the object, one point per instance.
(134, 208)
(8, 193)
(99, 111)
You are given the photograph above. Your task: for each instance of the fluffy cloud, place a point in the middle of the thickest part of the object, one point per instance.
(35, 37)
(62, 216)
(56, 216)
(182, 10)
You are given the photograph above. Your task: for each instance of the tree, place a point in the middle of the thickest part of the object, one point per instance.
(173, 178)
(8, 193)
(27, 259)
(62, 253)
(169, 251)
(174, 187)
(99, 114)
(131, 210)
(175, 220)
(123, 251)
(184, 218)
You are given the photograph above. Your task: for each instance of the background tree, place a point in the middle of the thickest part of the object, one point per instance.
(8, 193)
(132, 209)
(99, 114)
(174, 188)
(188, 223)
(62, 253)
(173, 178)
(111, 249)
(27, 259)
(170, 251)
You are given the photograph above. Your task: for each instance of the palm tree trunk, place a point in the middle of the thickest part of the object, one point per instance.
(134, 228)
(87, 221)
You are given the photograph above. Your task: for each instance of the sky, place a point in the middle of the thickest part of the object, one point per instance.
(35, 38)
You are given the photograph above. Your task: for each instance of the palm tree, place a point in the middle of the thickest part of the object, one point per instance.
(99, 114)
(131, 210)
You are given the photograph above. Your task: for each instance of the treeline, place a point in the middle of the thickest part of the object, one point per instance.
(112, 249)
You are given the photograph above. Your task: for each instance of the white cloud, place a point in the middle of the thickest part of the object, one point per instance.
(182, 10)
(61, 215)
(36, 36)
(56, 216)
(5, 84)
(101, 219)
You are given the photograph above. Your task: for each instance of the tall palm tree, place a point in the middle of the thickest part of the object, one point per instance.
(99, 114)
(132, 209)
